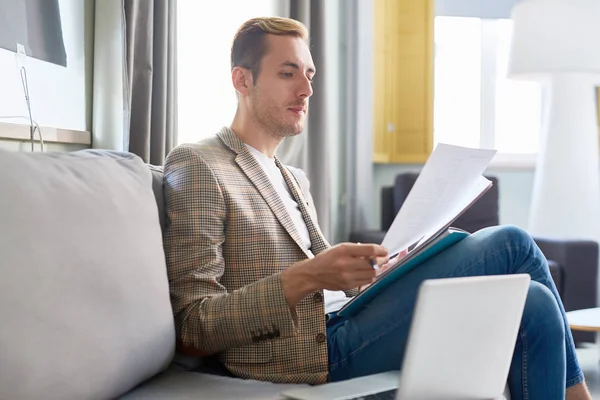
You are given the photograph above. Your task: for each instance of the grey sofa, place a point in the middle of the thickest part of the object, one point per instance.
(573, 263)
(84, 302)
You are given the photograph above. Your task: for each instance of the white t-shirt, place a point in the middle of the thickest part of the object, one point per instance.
(334, 300)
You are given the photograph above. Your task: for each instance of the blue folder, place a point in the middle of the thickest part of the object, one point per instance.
(412, 260)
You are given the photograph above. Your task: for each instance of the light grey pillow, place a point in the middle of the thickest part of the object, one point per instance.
(84, 300)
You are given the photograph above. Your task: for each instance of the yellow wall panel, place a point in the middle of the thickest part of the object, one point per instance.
(403, 86)
(410, 97)
(408, 147)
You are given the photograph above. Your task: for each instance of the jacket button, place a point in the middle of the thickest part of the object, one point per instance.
(321, 337)
(318, 297)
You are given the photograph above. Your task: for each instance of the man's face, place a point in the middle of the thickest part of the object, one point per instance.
(279, 97)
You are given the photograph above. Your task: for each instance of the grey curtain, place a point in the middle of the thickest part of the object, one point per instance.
(310, 150)
(151, 77)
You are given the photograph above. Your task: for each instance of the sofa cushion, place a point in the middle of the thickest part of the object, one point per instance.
(178, 384)
(84, 300)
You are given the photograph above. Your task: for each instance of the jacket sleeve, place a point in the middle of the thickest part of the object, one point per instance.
(208, 317)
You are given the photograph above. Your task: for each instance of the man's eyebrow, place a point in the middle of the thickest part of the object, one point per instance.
(296, 66)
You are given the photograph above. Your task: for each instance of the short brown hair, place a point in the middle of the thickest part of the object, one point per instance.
(249, 44)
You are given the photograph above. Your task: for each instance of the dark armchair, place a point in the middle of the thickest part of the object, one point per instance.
(573, 263)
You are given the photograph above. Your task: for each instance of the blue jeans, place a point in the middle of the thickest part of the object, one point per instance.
(544, 362)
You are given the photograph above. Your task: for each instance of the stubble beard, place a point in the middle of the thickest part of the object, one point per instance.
(264, 112)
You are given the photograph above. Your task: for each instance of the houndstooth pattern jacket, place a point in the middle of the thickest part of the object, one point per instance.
(227, 239)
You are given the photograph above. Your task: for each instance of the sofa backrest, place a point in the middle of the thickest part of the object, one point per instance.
(84, 300)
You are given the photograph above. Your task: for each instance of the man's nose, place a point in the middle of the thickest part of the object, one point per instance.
(305, 90)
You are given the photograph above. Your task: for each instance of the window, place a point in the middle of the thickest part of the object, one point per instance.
(457, 75)
(206, 98)
(475, 104)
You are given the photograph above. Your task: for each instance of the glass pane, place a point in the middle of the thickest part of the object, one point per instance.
(457, 93)
(206, 97)
(518, 103)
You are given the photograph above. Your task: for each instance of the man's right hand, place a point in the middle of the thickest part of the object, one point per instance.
(342, 267)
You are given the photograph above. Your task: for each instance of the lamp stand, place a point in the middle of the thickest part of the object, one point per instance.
(566, 192)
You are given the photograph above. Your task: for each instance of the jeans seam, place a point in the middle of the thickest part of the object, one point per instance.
(574, 381)
(524, 363)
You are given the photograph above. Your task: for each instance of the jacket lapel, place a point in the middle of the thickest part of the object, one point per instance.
(257, 176)
(317, 238)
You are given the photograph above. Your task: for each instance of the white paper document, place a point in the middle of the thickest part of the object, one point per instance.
(450, 181)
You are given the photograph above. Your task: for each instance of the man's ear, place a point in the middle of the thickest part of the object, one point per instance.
(242, 80)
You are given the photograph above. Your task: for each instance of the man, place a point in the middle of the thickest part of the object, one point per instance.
(253, 279)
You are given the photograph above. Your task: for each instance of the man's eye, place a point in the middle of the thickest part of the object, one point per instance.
(287, 74)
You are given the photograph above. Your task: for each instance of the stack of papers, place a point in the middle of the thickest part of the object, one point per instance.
(449, 183)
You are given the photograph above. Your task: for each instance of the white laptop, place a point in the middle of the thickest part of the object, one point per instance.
(460, 345)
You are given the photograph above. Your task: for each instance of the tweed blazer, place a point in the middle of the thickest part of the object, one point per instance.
(228, 237)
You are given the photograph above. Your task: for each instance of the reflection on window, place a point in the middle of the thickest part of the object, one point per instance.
(206, 97)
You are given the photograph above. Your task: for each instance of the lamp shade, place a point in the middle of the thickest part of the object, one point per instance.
(554, 36)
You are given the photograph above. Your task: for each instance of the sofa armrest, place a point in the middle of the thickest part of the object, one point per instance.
(578, 260)
(367, 236)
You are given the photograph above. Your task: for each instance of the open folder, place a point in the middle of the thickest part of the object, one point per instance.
(450, 182)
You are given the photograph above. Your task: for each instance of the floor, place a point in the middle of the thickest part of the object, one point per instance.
(589, 358)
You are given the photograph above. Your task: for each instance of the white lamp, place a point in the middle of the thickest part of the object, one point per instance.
(557, 43)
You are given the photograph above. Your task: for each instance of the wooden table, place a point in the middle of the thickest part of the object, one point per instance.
(586, 320)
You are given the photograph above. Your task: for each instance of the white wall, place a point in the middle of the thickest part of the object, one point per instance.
(58, 94)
